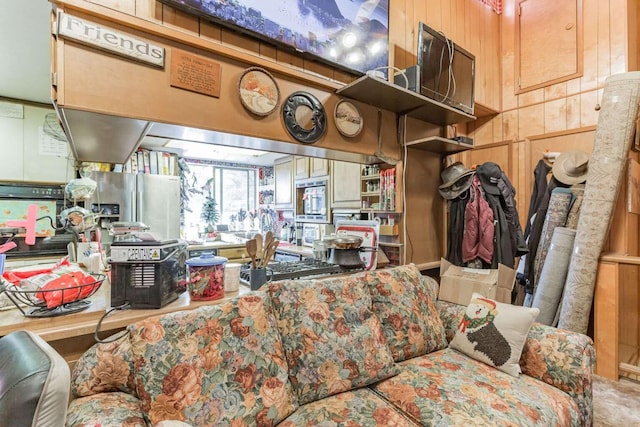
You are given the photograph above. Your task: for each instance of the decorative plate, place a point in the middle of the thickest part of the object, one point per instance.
(347, 118)
(259, 91)
(304, 117)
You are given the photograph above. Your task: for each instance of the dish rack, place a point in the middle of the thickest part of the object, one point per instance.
(37, 306)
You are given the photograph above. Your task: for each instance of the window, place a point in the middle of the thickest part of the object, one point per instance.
(234, 189)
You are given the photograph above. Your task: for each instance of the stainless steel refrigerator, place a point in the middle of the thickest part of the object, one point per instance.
(151, 199)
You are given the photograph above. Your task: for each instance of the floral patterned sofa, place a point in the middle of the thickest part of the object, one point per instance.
(370, 349)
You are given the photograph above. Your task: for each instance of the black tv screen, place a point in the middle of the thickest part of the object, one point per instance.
(447, 71)
(349, 34)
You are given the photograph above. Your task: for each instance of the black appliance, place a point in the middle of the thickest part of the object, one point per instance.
(148, 274)
(41, 195)
(445, 71)
(295, 269)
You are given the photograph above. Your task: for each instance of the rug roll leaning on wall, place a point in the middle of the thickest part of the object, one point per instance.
(614, 135)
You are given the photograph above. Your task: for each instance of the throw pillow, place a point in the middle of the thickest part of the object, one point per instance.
(494, 333)
(332, 340)
(410, 319)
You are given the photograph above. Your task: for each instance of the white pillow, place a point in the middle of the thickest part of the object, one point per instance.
(494, 333)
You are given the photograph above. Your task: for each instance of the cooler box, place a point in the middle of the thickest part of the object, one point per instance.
(148, 274)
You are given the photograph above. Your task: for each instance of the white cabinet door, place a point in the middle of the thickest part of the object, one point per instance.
(283, 180)
(345, 185)
(318, 167)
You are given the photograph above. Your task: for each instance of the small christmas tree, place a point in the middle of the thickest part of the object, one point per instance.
(210, 213)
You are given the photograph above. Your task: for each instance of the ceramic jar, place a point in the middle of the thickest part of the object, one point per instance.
(206, 277)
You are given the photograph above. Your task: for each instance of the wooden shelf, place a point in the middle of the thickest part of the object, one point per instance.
(438, 144)
(388, 96)
(370, 177)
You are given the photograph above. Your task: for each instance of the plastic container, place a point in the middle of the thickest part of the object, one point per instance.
(232, 277)
(206, 277)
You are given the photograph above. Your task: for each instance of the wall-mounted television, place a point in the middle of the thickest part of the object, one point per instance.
(352, 35)
(446, 71)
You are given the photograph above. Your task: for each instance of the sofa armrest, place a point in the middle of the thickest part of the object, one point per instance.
(113, 409)
(557, 357)
(564, 360)
(104, 367)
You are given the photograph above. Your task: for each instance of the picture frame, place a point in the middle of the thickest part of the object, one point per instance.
(259, 92)
(348, 118)
(317, 31)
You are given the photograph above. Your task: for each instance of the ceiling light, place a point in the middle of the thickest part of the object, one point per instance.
(349, 40)
(211, 151)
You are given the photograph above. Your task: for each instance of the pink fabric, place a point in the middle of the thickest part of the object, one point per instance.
(477, 240)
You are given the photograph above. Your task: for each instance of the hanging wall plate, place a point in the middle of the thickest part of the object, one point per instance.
(347, 118)
(259, 92)
(304, 117)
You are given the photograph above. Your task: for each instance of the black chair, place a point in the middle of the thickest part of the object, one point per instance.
(34, 382)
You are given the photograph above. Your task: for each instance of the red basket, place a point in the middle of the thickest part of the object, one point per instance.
(72, 298)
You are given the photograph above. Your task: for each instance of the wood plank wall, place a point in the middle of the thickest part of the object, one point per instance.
(560, 116)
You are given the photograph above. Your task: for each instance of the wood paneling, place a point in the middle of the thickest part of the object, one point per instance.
(425, 230)
(606, 309)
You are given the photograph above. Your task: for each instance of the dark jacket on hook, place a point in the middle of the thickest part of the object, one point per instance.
(509, 240)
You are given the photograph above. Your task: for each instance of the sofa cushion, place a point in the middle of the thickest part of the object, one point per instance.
(409, 316)
(355, 408)
(332, 340)
(213, 364)
(112, 409)
(494, 333)
(449, 388)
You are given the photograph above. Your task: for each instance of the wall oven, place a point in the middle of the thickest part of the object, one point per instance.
(312, 200)
(14, 199)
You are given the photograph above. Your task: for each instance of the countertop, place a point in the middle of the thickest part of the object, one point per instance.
(290, 248)
(217, 244)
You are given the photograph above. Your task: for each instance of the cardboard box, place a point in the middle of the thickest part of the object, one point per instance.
(458, 283)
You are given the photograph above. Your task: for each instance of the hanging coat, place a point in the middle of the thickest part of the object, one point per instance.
(455, 228)
(477, 241)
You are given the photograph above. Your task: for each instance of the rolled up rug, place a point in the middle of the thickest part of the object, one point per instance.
(559, 205)
(554, 274)
(614, 135)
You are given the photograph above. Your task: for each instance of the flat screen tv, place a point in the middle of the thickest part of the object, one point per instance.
(446, 71)
(352, 35)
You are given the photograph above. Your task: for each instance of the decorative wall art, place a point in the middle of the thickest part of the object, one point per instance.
(259, 91)
(347, 118)
(349, 34)
(304, 117)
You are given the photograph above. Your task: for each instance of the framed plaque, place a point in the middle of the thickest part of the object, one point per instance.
(259, 91)
(347, 118)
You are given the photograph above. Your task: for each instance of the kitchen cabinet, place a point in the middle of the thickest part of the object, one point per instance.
(318, 167)
(283, 182)
(300, 167)
(345, 184)
(310, 167)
